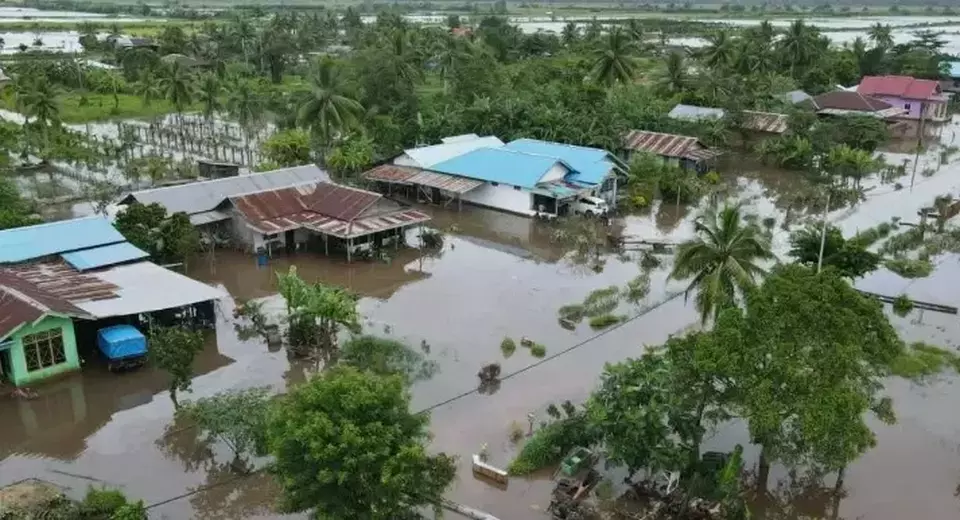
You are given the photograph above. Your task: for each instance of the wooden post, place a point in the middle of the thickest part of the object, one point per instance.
(349, 249)
(326, 245)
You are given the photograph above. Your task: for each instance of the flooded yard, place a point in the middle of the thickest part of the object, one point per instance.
(498, 275)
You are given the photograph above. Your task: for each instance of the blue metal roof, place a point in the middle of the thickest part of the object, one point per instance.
(27, 243)
(590, 165)
(499, 165)
(103, 256)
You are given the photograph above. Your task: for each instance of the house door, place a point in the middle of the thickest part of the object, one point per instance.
(288, 238)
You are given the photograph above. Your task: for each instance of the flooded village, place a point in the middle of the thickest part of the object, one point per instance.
(451, 246)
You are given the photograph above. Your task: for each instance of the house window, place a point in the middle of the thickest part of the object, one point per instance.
(906, 106)
(271, 236)
(44, 349)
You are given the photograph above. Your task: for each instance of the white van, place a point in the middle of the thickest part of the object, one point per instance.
(590, 206)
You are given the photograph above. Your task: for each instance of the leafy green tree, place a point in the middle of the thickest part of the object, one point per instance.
(245, 105)
(570, 34)
(353, 156)
(173, 349)
(722, 260)
(805, 361)
(449, 55)
(881, 35)
(168, 238)
(177, 85)
(674, 79)
(386, 356)
(237, 417)
(14, 210)
(346, 446)
(849, 257)
(720, 50)
(316, 312)
(614, 60)
(328, 112)
(287, 148)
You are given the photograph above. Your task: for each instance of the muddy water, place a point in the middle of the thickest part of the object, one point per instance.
(497, 276)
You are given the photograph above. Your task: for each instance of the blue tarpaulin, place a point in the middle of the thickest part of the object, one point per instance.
(121, 342)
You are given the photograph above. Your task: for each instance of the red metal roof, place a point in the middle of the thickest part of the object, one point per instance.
(905, 87)
(669, 145)
(846, 100)
(391, 173)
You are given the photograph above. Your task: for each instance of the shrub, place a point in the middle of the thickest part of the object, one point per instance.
(909, 268)
(508, 347)
(516, 432)
(604, 321)
(103, 501)
(902, 305)
(550, 443)
(572, 312)
(920, 360)
(537, 350)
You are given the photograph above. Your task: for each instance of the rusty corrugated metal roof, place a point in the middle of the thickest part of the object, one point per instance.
(22, 301)
(340, 228)
(391, 173)
(769, 122)
(340, 202)
(60, 280)
(669, 145)
(444, 182)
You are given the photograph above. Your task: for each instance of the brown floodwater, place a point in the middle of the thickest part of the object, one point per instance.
(498, 275)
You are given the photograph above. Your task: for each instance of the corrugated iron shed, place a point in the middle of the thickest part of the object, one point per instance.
(668, 145)
(198, 197)
(104, 256)
(27, 243)
(768, 122)
(391, 173)
(340, 202)
(444, 182)
(58, 279)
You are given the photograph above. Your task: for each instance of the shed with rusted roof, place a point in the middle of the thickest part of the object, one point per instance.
(687, 151)
(292, 218)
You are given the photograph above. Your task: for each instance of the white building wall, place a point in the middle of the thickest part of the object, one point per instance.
(251, 239)
(556, 173)
(406, 160)
(502, 197)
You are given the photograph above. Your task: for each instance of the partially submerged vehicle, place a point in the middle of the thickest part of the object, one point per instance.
(575, 477)
(124, 346)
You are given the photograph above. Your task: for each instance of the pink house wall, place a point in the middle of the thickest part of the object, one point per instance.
(915, 106)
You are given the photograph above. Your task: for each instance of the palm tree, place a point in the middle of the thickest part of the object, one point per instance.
(635, 30)
(674, 79)
(328, 112)
(245, 105)
(450, 54)
(615, 60)
(148, 89)
(38, 98)
(210, 92)
(177, 86)
(719, 52)
(881, 35)
(570, 34)
(405, 64)
(798, 45)
(722, 260)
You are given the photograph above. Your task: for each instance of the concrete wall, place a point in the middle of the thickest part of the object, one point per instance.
(502, 197)
(19, 375)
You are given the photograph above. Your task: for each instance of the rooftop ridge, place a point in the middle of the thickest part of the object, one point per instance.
(223, 179)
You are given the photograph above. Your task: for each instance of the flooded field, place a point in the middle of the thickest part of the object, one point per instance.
(498, 275)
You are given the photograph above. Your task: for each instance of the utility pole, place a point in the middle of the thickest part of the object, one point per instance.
(823, 233)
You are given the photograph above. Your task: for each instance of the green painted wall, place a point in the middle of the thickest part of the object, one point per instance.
(19, 375)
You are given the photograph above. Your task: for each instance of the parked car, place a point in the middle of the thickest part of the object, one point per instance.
(124, 346)
(590, 206)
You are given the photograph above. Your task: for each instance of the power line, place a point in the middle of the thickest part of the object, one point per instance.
(670, 297)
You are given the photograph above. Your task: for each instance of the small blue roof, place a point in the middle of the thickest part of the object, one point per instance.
(590, 165)
(103, 256)
(499, 165)
(27, 243)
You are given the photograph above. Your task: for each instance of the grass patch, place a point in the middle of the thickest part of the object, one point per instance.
(601, 301)
(907, 241)
(910, 268)
(920, 360)
(100, 107)
(605, 320)
(508, 347)
(572, 312)
(550, 443)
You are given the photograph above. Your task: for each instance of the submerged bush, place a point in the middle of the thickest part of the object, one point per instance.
(920, 360)
(902, 305)
(551, 443)
(910, 268)
(537, 350)
(604, 321)
(508, 347)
